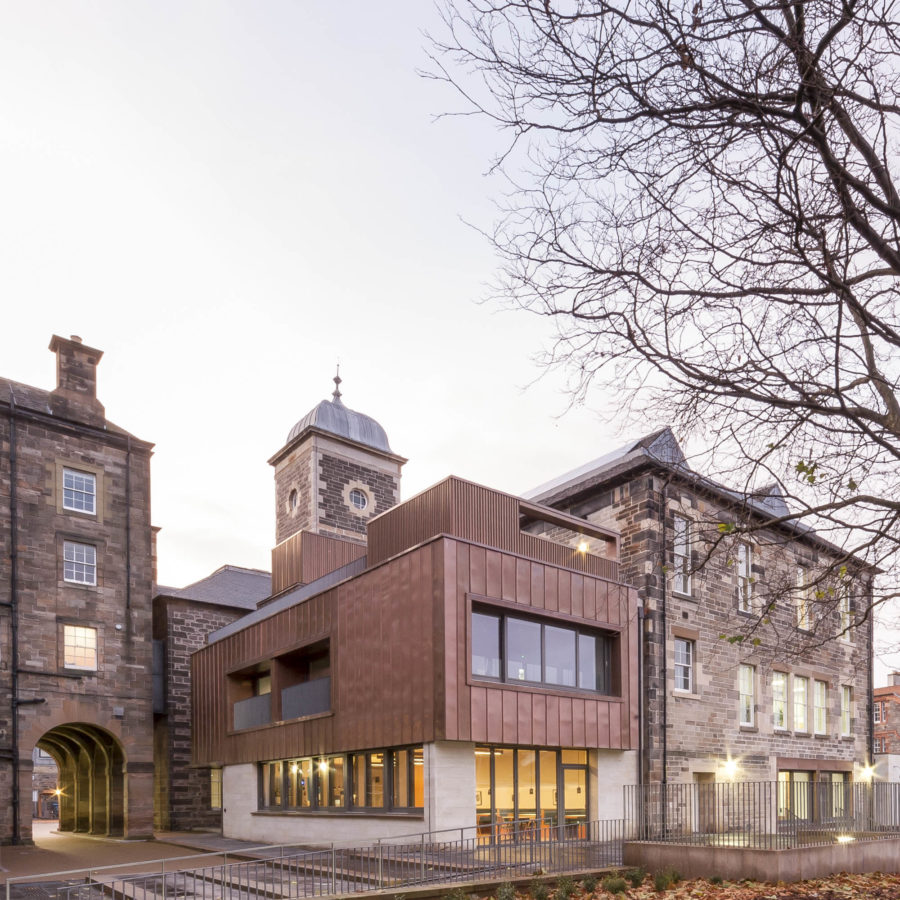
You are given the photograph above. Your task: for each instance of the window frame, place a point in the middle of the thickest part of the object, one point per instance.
(69, 574)
(845, 613)
(681, 555)
(215, 787)
(604, 664)
(79, 473)
(749, 671)
(271, 771)
(75, 631)
(876, 712)
(745, 577)
(691, 647)
(801, 705)
(820, 707)
(846, 710)
(802, 608)
(782, 677)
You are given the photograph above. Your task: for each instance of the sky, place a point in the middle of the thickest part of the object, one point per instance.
(228, 199)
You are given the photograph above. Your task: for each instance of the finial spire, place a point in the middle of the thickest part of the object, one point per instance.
(337, 385)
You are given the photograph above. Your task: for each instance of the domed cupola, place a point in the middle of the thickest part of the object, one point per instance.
(335, 471)
(335, 418)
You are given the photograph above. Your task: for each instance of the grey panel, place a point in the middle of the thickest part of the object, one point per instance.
(306, 699)
(253, 712)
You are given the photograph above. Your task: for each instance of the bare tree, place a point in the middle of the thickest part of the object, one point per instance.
(705, 200)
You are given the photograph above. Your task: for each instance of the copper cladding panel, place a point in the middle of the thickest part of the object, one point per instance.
(478, 514)
(306, 556)
(503, 714)
(384, 664)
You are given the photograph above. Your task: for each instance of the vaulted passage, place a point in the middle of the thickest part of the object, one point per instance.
(91, 778)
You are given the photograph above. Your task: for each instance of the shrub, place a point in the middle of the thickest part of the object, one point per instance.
(539, 889)
(565, 887)
(456, 893)
(589, 884)
(674, 875)
(716, 879)
(662, 881)
(614, 884)
(506, 891)
(636, 876)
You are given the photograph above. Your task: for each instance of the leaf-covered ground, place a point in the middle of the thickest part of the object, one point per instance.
(875, 886)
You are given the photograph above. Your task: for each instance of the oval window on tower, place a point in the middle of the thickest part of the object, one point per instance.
(293, 499)
(358, 499)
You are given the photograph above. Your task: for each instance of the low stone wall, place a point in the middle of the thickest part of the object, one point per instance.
(734, 863)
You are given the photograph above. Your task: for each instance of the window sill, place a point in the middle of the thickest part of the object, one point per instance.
(749, 729)
(803, 734)
(531, 687)
(681, 596)
(685, 695)
(821, 736)
(340, 813)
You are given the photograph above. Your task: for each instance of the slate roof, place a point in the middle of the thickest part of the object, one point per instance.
(229, 586)
(35, 399)
(660, 448)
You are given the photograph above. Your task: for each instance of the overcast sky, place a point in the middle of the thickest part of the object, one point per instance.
(227, 199)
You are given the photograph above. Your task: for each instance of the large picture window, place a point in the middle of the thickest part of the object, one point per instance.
(517, 650)
(382, 781)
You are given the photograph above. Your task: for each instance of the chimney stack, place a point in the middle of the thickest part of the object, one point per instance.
(75, 396)
(895, 679)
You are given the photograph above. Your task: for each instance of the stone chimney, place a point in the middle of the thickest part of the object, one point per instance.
(75, 396)
(895, 679)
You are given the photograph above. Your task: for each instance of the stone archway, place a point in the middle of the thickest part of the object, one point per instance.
(91, 766)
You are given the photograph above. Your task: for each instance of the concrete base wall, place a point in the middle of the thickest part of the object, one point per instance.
(449, 785)
(610, 770)
(734, 863)
(240, 818)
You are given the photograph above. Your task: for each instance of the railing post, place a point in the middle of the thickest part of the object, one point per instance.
(333, 871)
(380, 866)
(163, 878)
(423, 858)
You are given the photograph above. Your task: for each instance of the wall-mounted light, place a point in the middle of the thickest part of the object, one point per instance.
(583, 546)
(845, 838)
(323, 766)
(730, 768)
(867, 773)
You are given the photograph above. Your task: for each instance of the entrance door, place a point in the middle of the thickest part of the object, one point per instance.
(705, 811)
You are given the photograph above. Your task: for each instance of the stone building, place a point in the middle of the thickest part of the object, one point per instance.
(886, 716)
(189, 798)
(714, 709)
(75, 591)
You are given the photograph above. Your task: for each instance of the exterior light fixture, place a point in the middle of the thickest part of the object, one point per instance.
(845, 838)
(867, 773)
(730, 768)
(582, 546)
(323, 766)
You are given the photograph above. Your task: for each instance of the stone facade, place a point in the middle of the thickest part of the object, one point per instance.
(886, 716)
(78, 601)
(183, 792)
(337, 477)
(697, 733)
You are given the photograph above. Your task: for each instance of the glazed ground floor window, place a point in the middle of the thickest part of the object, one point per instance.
(813, 796)
(519, 784)
(375, 781)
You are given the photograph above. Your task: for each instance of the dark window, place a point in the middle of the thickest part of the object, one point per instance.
(514, 649)
(485, 645)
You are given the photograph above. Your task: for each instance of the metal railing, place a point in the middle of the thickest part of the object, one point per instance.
(764, 814)
(496, 852)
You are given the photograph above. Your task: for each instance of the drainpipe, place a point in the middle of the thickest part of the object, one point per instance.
(128, 533)
(664, 502)
(641, 616)
(14, 618)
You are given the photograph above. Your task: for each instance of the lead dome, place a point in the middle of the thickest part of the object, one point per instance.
(333, 417)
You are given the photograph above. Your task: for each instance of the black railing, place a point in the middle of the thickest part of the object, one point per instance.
(763, 814)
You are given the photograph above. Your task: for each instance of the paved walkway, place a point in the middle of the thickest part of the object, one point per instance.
(55, 852)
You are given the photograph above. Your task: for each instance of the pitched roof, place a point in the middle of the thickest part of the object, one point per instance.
(228, 586)
(25, 396)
